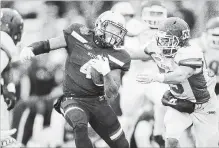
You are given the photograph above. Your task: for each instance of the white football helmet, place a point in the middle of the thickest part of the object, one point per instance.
(110, 28)
(212, 34)
(153, 12)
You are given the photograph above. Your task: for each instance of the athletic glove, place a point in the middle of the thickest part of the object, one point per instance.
(146, 78)
(101, 64)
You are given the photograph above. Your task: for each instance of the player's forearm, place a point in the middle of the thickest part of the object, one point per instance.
(111, 88)
(41, 47)
(175, 77)
(138, 54)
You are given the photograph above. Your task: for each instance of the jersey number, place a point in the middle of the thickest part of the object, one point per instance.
(178, 88)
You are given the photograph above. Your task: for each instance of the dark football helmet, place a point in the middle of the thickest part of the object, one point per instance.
(12, 23)
(110, 28)
(172, 34)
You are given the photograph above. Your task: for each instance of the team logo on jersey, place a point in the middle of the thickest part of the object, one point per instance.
(88, 47)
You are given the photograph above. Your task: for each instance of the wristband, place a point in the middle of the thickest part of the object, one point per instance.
(40, 47)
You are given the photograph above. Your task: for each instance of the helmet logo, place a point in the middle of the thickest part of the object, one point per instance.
(185, 34)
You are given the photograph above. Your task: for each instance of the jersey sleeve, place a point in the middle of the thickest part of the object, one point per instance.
(120, 60)
(72, 34)
(190, 56)
(7, 45)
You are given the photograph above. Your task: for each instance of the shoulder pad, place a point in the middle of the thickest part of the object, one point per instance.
(193, 62)
(72, 27)
(84, 30)
(192, 52)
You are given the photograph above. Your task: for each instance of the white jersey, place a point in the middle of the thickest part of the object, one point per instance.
(211, 55)
(198, 88)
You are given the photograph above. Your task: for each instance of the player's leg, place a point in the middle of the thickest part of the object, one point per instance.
(205, 124)
(105, 122)
(176, 123)
(77, 117)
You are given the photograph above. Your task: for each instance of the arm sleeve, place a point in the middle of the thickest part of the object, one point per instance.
(69, 36)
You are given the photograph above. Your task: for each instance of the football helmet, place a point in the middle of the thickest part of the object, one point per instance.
(153, 12)
(110, 28)
(12, 23)
(172, 34)
(212, 33)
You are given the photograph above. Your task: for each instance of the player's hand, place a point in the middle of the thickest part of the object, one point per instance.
(101, 64)
(146, 78)
(26, 54)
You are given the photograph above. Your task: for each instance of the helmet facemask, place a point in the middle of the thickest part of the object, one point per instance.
(169, 44)
(110, 33)
(212, 38)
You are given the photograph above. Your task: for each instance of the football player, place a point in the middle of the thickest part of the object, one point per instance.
(191, 100)
(133, 102)
(209, 44)
(11, 30)
(92, 75)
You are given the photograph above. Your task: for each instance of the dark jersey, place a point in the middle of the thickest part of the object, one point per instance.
(81, 48)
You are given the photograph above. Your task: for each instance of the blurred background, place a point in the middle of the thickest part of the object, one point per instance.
(38, 82)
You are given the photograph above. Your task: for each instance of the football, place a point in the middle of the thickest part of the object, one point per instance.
(96, 77)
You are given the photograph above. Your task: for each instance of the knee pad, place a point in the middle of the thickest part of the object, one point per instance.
(76, 116)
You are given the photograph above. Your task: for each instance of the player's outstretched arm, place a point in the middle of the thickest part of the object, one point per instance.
(180, 74)
(138, 54)
(42, 47)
